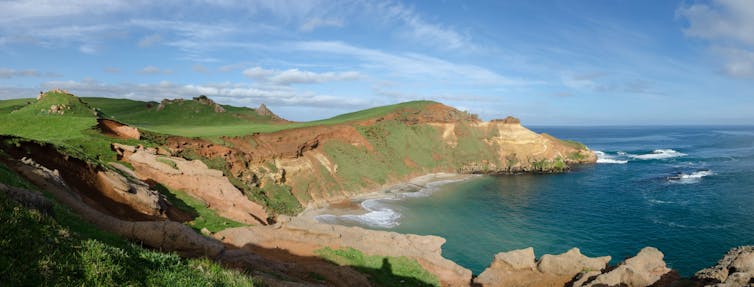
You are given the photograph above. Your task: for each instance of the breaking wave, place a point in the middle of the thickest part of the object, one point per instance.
(693, 177)
(658, 154)
(378, 213)
(602, 157)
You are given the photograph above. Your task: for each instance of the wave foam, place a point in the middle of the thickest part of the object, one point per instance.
(659, 154)
(378, 215)
(602, 157)
(693, 177)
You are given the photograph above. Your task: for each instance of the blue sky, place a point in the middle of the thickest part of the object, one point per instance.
(547, 62)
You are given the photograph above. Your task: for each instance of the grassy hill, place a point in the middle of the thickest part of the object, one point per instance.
(190, 118)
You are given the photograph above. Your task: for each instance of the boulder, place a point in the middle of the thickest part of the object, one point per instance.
(518, 268)
(644, 269)
(736, 268)
(571, 263)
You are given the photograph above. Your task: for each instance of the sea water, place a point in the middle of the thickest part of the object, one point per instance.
(688, 191)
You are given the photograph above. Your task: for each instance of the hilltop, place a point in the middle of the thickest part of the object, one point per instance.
(129, 165)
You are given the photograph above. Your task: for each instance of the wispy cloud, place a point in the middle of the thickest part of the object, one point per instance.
(296, 76)
(152, 70)
(411, 64)
(728, 26)
(7, 73)
(149, 40)
(317, 22)
(226, 93)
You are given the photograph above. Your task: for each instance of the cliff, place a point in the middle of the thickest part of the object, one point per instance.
(324, 163)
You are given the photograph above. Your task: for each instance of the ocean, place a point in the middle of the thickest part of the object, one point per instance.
(689, 191)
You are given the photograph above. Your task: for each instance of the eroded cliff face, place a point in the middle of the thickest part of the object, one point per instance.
(332, 162)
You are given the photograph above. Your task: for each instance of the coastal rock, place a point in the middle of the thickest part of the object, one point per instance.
(518, 268)
(644, 269)
(571, 263)
(195, 178)
(303, 237)
(522, 259)
(736, 268)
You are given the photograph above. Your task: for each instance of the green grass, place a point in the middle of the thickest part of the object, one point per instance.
(191, 119)
(204, 217)
(41, 250)
(167, 162)
(574, 144)
(382, 270)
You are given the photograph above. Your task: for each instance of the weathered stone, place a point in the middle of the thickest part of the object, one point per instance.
(735, 269)
(571, 263)
(642, 270)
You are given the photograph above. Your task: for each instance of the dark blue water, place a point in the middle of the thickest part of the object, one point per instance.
(688, 191)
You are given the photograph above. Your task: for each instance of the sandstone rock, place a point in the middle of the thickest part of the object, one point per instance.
(131, 192)
(518, 268)
(301, 237)
(522, 259)
(642, 270)
(117, 129)
(736, 268)
(195, 178)
(571, 263)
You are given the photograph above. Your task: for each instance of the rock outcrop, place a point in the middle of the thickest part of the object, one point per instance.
(117, 129)
(262, 110)
(644, 269)
(303, 237)
(735, 269)
(519, 268)
(196, 179)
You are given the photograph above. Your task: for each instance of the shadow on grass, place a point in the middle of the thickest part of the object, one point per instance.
(282, 265)
(180, 210)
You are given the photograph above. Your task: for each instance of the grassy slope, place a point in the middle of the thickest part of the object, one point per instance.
(63, 250)
(192, 119)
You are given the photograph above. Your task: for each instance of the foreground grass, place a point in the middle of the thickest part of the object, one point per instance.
(382, 270)
(63, 250)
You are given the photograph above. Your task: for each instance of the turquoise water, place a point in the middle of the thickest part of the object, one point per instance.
(687, 191)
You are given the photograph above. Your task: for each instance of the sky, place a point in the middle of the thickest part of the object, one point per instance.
(619, 62)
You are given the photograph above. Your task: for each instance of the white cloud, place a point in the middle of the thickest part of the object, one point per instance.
(258, 73)
(420, 30)
(225, 93)
(728, 25)
(317, 22)
(112, 70)
(150, 40)
(740, 62)
(200, 69)
(18, 10)
(296, 76)
(411, 64)
(152, 70)
(7, 73)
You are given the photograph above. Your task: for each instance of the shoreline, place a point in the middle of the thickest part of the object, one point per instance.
(352, 205)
